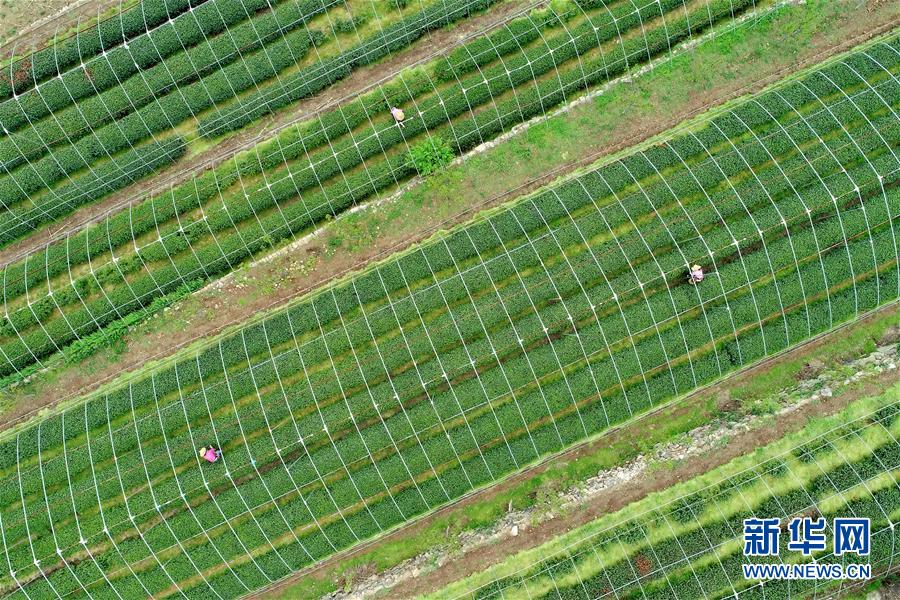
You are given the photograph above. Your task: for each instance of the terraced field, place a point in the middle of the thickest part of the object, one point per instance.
(687, 542)
(205, 227)
(465, 358)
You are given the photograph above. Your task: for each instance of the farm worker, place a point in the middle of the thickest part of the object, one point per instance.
(696, 275)
(210, 454)
(398, 115)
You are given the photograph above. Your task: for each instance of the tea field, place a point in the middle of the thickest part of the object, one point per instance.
(450, 365)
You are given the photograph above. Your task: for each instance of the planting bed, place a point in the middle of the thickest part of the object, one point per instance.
(469, 356)
(208, 225)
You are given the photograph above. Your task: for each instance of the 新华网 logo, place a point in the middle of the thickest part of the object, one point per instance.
(848, 537)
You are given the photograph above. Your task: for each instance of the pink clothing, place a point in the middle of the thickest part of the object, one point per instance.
(696, 275)
(211, 455)
(397, 114)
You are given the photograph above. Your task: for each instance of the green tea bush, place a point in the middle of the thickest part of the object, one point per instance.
(493, 305)
(56, 203)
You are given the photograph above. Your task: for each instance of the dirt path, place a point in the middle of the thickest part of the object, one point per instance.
(426, 49)
(614, 498)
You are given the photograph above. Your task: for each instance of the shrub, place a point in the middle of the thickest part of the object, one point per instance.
(349, 25)
(431, 155)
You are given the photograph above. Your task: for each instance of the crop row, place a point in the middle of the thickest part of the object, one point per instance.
(104, 178)
(23, 73)
(56, 163)
(292, 145)
(220, 68)
(463, 359)
(661, 161)
(78, 151)
(187, 38)
(286, 146)
(208, 243)
(310, 80)
(216, 61)
(231, 506)
(690, 545)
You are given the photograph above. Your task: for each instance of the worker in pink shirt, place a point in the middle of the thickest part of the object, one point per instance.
(696, 275)
(210, 454)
